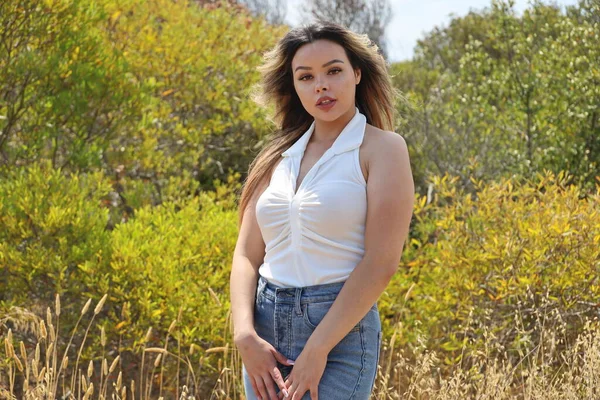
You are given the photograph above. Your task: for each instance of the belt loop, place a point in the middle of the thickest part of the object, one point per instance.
(261, 285)
(297, 304)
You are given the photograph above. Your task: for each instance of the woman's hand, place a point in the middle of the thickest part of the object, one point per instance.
(306, 374)
(259, 358)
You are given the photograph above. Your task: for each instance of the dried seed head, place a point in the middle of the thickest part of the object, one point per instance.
(132, 389)
(41, 375)
(23, 352)
(216, 349)
(148, 335)
(43, 332)
(37, 352)
(65, 362)
(191, 349)
(172, 326)
(34, 368)
(102, 336)
(18, 362)
(157, 361)
(52, 332)
(155, 350)
(49, 350)
(119, 380)
(84, 384)
(100, 304)
(124, 393)
(86, 307)
(8, 348)
(89, 391)
(104, 367)
(57, 305)
(48, 316)
(113, 365)
(90, 370)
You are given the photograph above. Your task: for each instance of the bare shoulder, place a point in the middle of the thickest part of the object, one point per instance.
(382, 147)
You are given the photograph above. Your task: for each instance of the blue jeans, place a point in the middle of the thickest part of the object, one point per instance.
(286, 317)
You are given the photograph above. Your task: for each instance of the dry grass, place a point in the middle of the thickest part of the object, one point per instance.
(551, 369)
(45, 374)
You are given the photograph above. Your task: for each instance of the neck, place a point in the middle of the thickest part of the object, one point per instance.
(327, 131)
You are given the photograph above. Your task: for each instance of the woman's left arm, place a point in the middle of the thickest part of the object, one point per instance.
(390, 199)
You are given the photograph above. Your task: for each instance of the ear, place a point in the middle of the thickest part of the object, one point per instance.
(357, 74)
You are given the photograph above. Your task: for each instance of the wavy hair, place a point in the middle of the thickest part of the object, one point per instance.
(375, 94)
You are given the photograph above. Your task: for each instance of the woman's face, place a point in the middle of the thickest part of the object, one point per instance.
(322, 69)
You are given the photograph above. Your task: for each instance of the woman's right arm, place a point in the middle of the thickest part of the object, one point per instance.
(247, 257)
(259, 356)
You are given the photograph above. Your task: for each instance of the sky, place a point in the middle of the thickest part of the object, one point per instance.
(413, 18)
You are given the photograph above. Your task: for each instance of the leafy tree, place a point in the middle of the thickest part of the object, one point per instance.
(369, 17)
(63, 94)
(514, 95)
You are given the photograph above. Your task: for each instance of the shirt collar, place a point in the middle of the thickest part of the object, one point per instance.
(349, 138)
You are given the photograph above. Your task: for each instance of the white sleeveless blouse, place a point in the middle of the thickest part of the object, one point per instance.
(315, 236)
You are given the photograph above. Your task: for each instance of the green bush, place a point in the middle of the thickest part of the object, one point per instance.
(508, 258)
(165, 263)
(170, 257)
(511, 254)
(53, 238)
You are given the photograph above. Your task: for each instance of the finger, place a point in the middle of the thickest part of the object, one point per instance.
(291, 390)
(314, 393)
(276, 375)
(287, 385)
(281, 358)
(254, 387)
(296, 392)
(270, 387)
(262, 390)
(300, 393)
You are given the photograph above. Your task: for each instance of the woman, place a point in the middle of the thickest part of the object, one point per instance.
(311, 259)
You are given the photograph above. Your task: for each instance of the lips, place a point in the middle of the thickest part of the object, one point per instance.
(324, 98)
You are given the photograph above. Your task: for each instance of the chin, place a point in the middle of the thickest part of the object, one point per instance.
(330, 115)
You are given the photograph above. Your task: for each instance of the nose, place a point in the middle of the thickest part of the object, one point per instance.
(321, 85)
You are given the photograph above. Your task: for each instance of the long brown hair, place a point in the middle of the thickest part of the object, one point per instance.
(375, 94)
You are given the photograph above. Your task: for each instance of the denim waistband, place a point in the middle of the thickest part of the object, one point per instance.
(305, 294)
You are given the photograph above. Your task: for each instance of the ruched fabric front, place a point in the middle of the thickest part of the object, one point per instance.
(316, 235)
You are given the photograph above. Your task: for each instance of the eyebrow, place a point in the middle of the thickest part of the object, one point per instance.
(324, 65)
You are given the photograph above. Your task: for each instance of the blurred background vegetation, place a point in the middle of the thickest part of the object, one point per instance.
(126, 131)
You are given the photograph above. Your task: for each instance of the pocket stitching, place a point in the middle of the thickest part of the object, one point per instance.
(312, 326)
(379, 343)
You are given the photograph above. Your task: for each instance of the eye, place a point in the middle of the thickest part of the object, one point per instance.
(331, 70)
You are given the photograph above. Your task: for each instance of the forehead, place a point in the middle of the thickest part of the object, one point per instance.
(318, 52)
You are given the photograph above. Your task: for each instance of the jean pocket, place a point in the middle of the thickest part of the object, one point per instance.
(313, 314)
